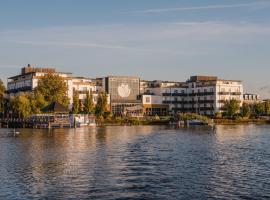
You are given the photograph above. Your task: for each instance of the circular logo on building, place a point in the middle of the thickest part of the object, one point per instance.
(124, 90)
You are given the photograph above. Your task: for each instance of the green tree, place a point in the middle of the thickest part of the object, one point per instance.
(231, 108)
(88, 106)
(53, 88)
(101, 106)
(21, 105)
(259, 109)
(245, 110)
(76, 103)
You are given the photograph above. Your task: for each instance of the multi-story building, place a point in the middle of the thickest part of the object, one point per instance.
(153, 105)
(28, 80)
(251, 98)
(201, 94)
(124, 93)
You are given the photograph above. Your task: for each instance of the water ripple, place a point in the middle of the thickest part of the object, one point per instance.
(229, 162)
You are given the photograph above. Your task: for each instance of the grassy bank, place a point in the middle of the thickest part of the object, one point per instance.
(119, 121)
(240, 121)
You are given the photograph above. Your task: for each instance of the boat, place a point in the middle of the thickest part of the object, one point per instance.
(196, 122)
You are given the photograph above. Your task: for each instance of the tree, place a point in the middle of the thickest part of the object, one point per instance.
(37, 101)
(231, 108)
(267, 107)
(53, 88)
(245, 110)
(88, 106)
(259, 109)
(2, 93)
(76, 103)
(21, 105)
(101, 106)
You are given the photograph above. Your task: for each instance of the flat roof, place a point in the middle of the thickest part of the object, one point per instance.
(20, 75)
(134, 77)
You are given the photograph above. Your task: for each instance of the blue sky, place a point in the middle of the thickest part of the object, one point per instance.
(154, 39)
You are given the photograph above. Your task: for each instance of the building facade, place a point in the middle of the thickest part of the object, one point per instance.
(124, 93)
(153, 105)
(200, 94)
(251, 98)
(27, 81)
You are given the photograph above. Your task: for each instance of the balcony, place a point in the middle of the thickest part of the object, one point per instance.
(229, 93)
(175, 102)
(174, 94)
(223, 101)
(202, 101)
(21, 89)
(224, 93)
(202, 94)
(236, 93)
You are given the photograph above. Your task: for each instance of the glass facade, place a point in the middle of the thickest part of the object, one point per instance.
(123, 89)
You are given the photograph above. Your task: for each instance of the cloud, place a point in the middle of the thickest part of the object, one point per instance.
(174, 38)
(99, 46)
(258, 4)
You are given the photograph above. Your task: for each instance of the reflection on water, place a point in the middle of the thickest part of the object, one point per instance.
(144, 162)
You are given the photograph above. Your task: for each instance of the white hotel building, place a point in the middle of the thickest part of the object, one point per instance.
(28, 80)
(200, 94)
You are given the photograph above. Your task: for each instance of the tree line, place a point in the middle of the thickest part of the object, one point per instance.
(51, 88)
(232, 110)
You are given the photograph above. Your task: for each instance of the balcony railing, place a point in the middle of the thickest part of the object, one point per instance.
(174, 94)
(202, 101)
(229, 93)
(223, 101)
(22, 89)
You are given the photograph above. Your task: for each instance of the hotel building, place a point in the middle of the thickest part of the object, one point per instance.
(251, 98)
(124, 93)
(28, 80)
(200, 94)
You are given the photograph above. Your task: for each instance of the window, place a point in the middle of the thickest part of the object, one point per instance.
(176, 91)
(147, 99)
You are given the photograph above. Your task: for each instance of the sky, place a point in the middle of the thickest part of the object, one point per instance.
(152, 39)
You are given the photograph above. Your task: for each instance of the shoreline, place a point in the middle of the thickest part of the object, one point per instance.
(160, 123)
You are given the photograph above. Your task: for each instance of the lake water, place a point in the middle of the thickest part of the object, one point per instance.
(143, 162)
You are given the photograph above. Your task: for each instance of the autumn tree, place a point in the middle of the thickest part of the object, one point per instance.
(37, 101)
(88, 106)
(21, 105)
(53, 88)
(267, 107)
(2, 92)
